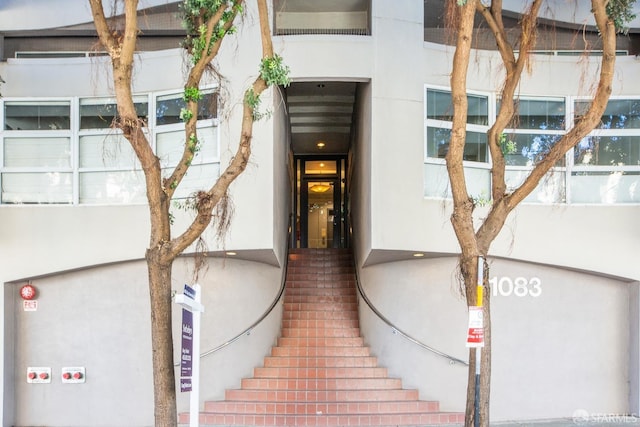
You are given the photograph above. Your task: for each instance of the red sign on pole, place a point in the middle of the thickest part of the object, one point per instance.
(475, 336)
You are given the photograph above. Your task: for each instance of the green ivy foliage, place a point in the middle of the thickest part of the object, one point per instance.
(196, 14)
(621, 12)
(192, 94)
(274, 72)
(185, 114)
(506, 145)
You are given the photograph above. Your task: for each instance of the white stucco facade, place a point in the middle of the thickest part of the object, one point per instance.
(573, 346)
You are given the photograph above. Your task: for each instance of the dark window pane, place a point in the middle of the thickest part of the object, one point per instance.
(100, 115)
(440, 107)
(37, 116)
(168, 108)
(540, 114)
(475, 148)
(608, 151)
(528, 149)
(619, 114)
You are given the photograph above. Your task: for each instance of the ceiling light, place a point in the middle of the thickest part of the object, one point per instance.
(231, 253)
(418, 255)
(320, 144)
(319, 188)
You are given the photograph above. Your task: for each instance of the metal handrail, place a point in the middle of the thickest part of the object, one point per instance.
(268, 311)
(398, 331)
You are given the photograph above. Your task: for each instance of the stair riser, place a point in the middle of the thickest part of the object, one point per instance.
(321, 384)
(310, 292)
(320, 315)
(320, 332)
(320, 362)
(324, 284)
(321, 277)
(325, 408)
(328, 420)
(317, 324)
(321, 395)
(318, 373)
(330, 306)
(320, 299)
(320, 351)
(320, 342)
(325, 269)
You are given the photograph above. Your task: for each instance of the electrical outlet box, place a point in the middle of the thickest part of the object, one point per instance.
(73, 375)
(38, 375)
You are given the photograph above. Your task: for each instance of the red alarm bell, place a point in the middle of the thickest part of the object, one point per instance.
(28, 292)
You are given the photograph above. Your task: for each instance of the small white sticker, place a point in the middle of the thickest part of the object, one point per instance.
(30, 305)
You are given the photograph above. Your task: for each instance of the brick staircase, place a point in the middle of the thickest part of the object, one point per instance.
(320, 373)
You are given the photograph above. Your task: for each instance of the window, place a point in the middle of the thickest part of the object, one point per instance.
(475, 148)
(37, 160)
(99, 113)
(168, 108)
(440, 107)
(438, 124)
(29, 115)
(539, 114)
(537, 125)
(37, 152)
(608, 151)
(619, 114)
(606, 163)
(67, 151)
(439, 116)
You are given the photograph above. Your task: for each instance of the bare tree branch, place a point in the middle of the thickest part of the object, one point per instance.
(207, 200)
(462, 205)
(193, 81)
(591, 118)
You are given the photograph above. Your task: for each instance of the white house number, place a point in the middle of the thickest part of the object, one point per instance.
(520, 286)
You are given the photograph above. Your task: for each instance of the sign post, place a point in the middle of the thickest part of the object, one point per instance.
(475, 336)
(192, 308)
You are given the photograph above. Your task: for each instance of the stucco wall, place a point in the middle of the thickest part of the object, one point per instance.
(98, 318)
(401, 217)
(554, 353)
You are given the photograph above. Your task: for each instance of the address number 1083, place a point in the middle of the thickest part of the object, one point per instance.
(519, 286)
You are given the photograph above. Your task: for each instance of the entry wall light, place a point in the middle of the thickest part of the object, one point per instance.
(320, 188)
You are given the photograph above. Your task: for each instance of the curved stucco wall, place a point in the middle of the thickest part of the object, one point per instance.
(560, 342)
(102, 323)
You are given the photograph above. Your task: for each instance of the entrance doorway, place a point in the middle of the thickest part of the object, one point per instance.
(321, 203)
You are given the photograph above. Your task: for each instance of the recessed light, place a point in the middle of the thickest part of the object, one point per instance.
(320, 144)
(418, 255)
(232, 253)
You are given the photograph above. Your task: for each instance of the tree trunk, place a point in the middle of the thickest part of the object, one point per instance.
(469, 268)
(164, 384)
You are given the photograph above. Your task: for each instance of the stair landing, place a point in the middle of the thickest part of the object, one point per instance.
(320, 373)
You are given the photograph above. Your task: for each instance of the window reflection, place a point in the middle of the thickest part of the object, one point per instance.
(168, 108)
(52, 115)
(100, 113)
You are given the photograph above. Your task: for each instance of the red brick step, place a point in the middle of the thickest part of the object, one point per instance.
(320, 373)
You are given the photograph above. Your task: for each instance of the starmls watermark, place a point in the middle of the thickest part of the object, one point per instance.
(584, 417)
